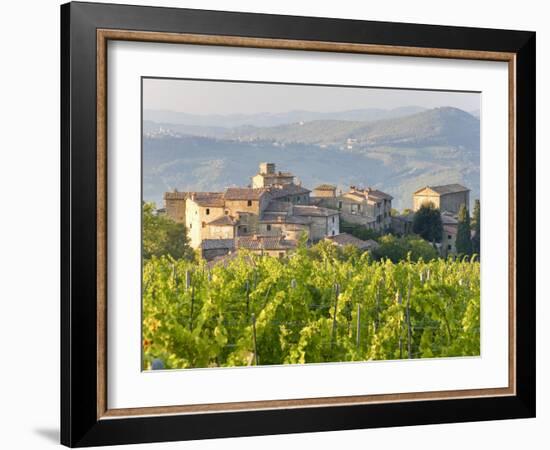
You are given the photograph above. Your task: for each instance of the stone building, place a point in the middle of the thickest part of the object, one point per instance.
(272, 215)
(174, 205)
(450, 230)
(213, 248)
(325, 191)
(266, 245)
(322, 221)
(368, 207)
(403, 223)
(268, 176)
(201, 208)
(448, 197)
(291, 221)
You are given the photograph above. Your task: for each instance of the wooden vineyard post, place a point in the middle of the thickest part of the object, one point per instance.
(333, 336)
(247, 298)
(253, 317)
(408, 317)
(358, 332)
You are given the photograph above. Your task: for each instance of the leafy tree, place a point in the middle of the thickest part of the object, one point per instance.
(463, 236)
(398, 249)
(359, 231)
(427, 223)
(476, 227)
(163, 236)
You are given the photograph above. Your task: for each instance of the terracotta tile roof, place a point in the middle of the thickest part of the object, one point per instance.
(207, 198)
(223, 221)
(244, 193)
(375, 193)
(215, 244)
(370, 193)
(286, 190)
(445, 189)
(278, 206)
(325, 187)
(265, 243)
(270, 217)
(313, 211)
(344, 239)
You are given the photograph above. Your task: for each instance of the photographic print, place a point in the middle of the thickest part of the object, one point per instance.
(295, 224)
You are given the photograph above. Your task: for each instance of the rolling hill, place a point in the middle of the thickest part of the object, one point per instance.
(397, 155)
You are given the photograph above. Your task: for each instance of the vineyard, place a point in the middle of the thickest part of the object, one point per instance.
(320, 305)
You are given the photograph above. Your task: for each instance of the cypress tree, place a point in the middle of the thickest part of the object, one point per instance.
(476, 227)
(463, 237)
(427, 223)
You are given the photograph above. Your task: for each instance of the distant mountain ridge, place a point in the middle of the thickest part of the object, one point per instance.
(438, 126)
(274, 119)
(396, 155)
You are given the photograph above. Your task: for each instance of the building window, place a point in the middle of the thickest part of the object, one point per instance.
(281, 254)
(190, 225)
(249, 203)
(449, 237)
(245, 230)
(358, 207)
(333, 232)
(226, 212)
(339, 205)
(332, 219)
(269, 228)
(207, 211)
(204, 224)
(449, 247)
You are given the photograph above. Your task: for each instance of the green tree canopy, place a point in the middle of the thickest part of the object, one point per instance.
(476, 227)
(427, 223)
(463, 236)
(397, 248)
(359, 231)
(163, 236)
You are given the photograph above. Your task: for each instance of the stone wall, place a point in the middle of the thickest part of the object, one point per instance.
(453, 202)
(175, 209)
(323, 226)
(197, 217)
(220, 232)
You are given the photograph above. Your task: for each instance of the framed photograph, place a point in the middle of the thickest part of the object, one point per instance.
(277, 224)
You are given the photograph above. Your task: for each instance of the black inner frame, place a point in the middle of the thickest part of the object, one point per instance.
(79, 423)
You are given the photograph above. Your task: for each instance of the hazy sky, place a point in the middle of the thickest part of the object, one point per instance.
(223, 97)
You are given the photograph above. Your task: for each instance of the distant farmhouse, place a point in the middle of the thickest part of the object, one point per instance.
(448, 197)
(271, 215)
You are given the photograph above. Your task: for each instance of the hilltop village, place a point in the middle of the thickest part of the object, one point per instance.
(271, 214)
